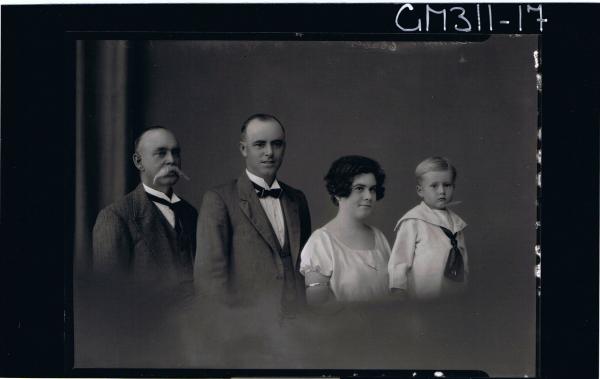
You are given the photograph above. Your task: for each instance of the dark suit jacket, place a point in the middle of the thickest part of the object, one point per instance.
(238, 252)
(133, 241)
(141, 280)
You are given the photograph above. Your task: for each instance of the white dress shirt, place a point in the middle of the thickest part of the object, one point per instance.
(165, 210)
(272, 206)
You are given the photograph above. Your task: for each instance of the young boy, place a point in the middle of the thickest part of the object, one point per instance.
(429, 257)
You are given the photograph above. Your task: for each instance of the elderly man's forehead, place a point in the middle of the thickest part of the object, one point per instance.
(158, 137)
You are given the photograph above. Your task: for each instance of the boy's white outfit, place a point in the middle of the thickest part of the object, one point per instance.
(421, 250)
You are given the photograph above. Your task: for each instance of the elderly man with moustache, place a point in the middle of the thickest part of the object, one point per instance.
(252, 229)
(143, 254)
(148, 238)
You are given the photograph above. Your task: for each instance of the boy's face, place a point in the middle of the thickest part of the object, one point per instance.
(436, 188)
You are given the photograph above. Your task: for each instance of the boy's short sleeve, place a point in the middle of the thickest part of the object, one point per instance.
(403, 253)
(316, 256)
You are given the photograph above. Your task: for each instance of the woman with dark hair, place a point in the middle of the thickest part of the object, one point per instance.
(346, 260)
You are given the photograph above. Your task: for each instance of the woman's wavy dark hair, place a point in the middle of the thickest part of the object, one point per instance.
(343, 170)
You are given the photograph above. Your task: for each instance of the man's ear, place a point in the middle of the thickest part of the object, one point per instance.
(243, 149)
(137, 161)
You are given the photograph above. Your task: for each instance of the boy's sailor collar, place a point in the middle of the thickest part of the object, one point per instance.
(424, 213)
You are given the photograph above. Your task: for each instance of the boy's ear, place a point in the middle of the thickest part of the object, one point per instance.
(419, 191)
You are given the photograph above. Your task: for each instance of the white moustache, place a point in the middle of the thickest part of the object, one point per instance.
(165, 170)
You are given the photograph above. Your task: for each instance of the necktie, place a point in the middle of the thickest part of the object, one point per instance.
(263, 192)
(454, 269)
(174, 207)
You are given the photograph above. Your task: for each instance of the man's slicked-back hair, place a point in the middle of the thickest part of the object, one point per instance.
(260, 117)
(136, 143)
(434, 164)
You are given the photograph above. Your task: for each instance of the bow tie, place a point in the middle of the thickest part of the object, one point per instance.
(262, 192)
(162, 201)
(175, 207)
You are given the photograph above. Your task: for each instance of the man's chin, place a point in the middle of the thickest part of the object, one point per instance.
(167, 180)
(266, 173)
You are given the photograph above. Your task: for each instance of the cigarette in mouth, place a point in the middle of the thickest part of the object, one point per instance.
(183, 175)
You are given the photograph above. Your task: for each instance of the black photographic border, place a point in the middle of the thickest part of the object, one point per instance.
(38, 165)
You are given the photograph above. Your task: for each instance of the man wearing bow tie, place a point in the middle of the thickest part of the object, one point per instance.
(147, 239)
(252, 229)
(143, 255)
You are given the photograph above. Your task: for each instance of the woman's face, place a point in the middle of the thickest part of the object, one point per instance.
(359, 204)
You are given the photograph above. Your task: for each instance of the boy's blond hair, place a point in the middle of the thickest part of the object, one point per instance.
(434, 164)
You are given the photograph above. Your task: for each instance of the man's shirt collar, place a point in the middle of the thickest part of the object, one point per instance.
(261, 182)
(174, 198)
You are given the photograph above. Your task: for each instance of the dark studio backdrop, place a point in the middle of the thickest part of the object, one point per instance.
(70, 111)
(395, 101)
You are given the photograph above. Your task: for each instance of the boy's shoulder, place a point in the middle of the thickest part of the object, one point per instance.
(422, 213)
(457, 223)
(416, 214)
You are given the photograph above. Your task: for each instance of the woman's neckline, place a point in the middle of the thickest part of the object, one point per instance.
(339, 240)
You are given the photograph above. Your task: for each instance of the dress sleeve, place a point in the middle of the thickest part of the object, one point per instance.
(316, 256)
(383, 244)
(402, 255)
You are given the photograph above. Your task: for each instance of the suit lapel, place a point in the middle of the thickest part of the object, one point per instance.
(148, 219)
(292, 222)
(252, 208)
